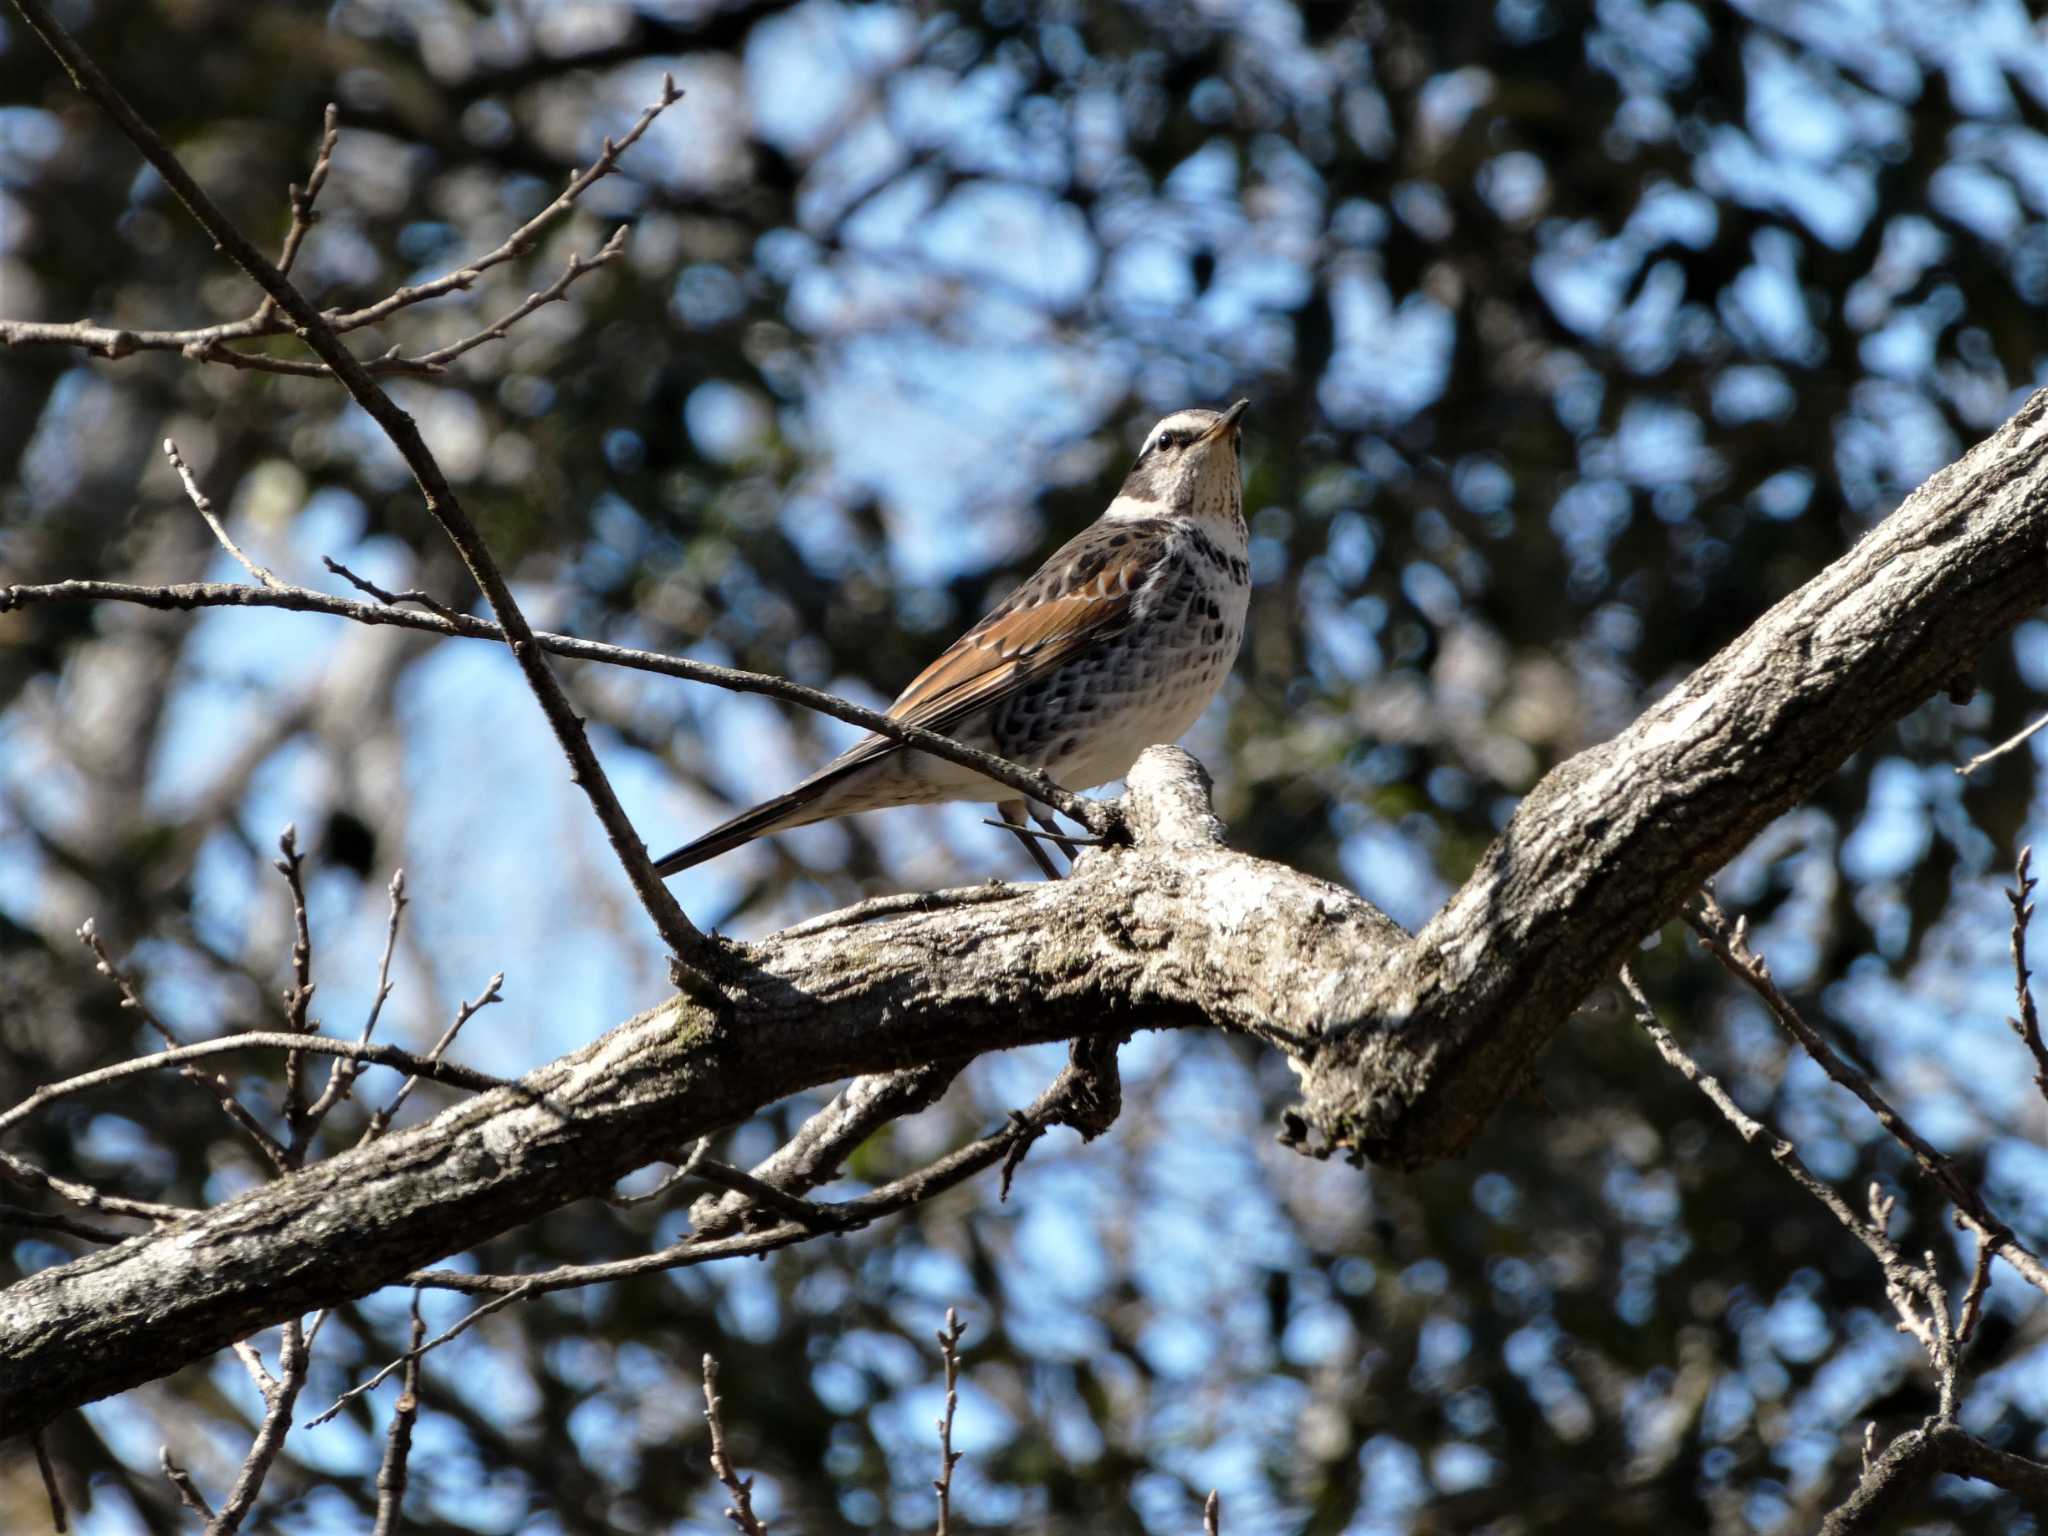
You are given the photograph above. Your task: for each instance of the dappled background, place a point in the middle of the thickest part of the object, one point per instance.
(1575, 336)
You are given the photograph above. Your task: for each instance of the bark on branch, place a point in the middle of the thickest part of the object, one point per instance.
(1404, 1046)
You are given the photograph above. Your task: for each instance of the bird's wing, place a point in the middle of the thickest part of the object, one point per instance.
(1081, 596)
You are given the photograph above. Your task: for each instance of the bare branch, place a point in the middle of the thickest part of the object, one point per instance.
(1212, 1514)
(690, 948)
(58, 1520)
(823, 1142)
(200, 500)
(299, 998)
(131, 998)
(84, 1196)
(1097, 815)
(1053, 1107)
(682, 1173)
(375, 1055)
(1916, 1294)
(278, 1395)
(2028, 1025)
(188, 1491)
(741, 1513)
(949, 1352)
(558, 290)
(345, 1070)
(411, 1357)
(1752, 1130)
(521, 239)
(208, 344)
(1911, 1461)
(2005, 746)
(41, 1221)
(381, 1120)
(814, 1218)
(424, 599)
(1728, 943)
(391, 1472)
(302, 200)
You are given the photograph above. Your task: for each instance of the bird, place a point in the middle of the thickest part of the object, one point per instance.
(1117, 643)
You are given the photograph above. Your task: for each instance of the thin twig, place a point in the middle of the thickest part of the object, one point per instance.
(1052, 1108)
(208, 343)
(1212, 1514)
(223, 1093)
(201, 501)
(377, 1055)
(380, 1121)
(2028, 1025)
(58, 1520)
(391, 1473)
(741, 1511)
(1913, 1459)
(279, 1395)
(2001, 749)
(299, 998)
(1102, 817)
(362, 584)
(1973, 1296)
(693, 953)
(521, 239)
(820, 1146)
(462, 1325)
(1728, 942)
(949, 1351)
(342, 1075)
(188, 1491)
(45, 1221)
(558, 290)
(302, 200)
(84, 1196)
(1902, 1278)
(816, 1218)
(684, 1170)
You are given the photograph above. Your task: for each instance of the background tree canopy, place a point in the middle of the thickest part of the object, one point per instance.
(1576, 337)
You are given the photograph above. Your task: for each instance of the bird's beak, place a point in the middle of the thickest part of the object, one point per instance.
(1227, 421)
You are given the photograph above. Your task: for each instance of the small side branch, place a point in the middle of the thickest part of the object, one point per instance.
(279, 1395)
(949, 1352)
(375, 1055)
(1727, 941)
(391, 1473)
(2028, 1025)
(741, 1510)
(1099, 816)
(58, 1520)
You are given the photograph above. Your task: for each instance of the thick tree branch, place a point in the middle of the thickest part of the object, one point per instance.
(1404, 1046)
(1160, 935)
(1607, 848)
(1910, 1462)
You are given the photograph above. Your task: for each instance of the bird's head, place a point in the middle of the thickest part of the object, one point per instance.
(1187, 468)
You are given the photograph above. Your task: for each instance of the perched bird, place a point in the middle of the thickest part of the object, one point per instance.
(1118, 642)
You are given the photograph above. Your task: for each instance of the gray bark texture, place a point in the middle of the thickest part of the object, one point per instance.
(1404, 1045)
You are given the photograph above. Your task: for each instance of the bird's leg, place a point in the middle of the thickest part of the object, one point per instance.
(1012, 812)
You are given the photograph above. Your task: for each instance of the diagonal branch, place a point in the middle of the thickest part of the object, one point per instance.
(1097, 815)
(682, 938)
(1404, 1046)
(209, 343)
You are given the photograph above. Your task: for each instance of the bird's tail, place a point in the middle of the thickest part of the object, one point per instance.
(797, 808)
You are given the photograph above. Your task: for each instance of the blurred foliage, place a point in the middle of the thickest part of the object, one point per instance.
(1577, 335)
